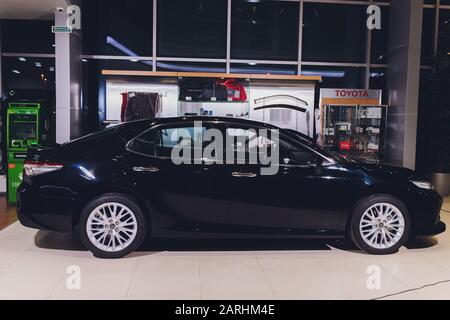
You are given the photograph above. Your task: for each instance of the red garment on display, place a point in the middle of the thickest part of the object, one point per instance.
(237, 90)
(124, 106)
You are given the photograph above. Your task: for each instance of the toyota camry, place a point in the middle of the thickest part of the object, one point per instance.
(121, 185)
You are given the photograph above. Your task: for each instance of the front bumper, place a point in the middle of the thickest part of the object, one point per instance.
(438, 228)
(426, 208)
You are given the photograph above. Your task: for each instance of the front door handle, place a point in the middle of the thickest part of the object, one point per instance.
(146, 169)
(244, 175)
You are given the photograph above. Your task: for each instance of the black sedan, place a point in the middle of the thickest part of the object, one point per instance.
(118, 186)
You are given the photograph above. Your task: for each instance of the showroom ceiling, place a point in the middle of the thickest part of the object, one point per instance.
(30, 9)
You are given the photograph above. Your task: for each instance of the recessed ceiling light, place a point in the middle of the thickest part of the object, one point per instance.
(22, 59)
(84, 60)
(134, 60)
(52, 69)
(38, 64)
(53, 45)
(16, 71)
(252, 63)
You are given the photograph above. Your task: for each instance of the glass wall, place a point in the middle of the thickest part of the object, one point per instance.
(27, 36)
(266, 30)
(195, 28)
(254, 36)
(117, 27)
(334, 32)
(289, 36)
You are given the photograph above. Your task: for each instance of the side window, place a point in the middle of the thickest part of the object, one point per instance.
(250, 143)
(160, 142)
(248, 138)
(143, 144)
(296, 155)
(166, 139)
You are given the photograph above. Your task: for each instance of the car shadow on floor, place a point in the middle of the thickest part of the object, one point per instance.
(71, 242)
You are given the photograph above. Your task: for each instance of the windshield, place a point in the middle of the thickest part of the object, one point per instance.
(342, 158)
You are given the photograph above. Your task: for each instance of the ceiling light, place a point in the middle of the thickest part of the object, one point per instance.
(134, 60)
(52, 69)
(22, 59)
(38, 64)
(16, 71)
(84, 60)
(252, 63)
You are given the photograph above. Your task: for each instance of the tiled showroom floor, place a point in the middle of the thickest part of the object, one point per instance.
(34, 265)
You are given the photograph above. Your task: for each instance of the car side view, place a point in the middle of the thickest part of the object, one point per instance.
(121, 185)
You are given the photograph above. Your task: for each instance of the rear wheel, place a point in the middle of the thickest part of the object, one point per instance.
(380, 225)
(112, 226)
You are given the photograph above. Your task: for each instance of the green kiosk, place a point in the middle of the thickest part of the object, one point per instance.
(22, 132)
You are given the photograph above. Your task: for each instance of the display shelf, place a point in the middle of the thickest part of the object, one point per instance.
(237, 109)
(107, 72)
(354, 130)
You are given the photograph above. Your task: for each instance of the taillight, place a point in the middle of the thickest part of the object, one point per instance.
(36, 168)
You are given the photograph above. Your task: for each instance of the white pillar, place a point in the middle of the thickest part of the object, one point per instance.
(68, 82)
(405, 42)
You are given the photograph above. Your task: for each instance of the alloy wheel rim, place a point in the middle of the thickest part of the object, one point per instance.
(111, 227)
(382, 226)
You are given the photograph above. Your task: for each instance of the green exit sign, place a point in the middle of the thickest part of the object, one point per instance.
(61, 29)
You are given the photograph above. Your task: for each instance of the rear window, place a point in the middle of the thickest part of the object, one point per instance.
(95, 135)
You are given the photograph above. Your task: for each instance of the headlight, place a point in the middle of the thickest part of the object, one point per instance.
(423, 184)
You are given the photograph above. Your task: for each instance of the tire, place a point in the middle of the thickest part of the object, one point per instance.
(377, 234)
(108, 237)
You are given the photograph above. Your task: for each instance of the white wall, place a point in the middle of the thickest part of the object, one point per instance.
(169, 95)
(297, 120)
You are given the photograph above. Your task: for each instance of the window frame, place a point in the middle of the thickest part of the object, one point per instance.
(162, 126)
(327, 161)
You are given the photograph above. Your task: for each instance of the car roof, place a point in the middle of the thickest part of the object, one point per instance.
(225, 120)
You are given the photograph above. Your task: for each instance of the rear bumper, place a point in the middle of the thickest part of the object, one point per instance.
(37, 210)
(29, 222)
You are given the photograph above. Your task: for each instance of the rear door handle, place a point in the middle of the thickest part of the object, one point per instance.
(244, 175)
(146, 169)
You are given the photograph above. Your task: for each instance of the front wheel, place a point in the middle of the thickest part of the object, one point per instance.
(112, 226)
(380, 225)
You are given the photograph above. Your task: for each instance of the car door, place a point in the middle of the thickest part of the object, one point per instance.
(291, 199)
(182, 196)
